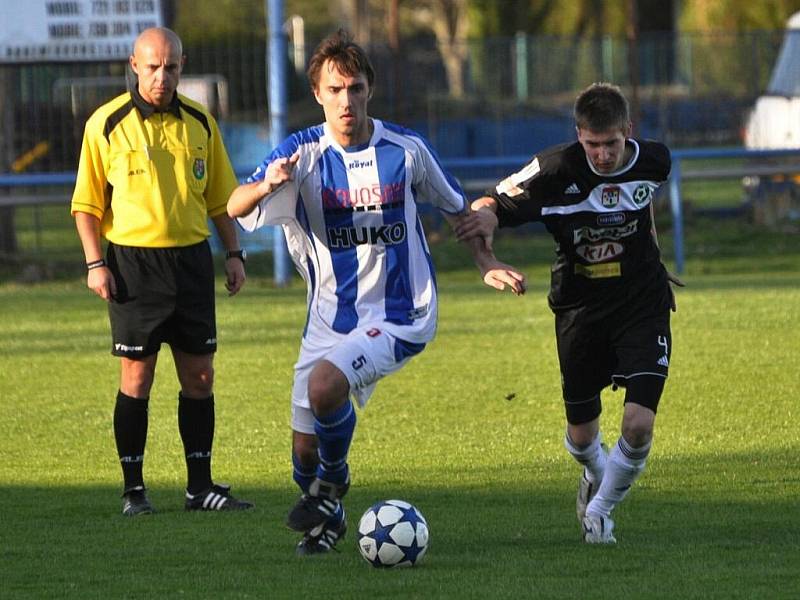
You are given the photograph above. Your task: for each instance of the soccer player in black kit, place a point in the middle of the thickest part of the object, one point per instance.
(609, 291)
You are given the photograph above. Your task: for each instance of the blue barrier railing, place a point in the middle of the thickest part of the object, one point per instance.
(678, 175)
(468, 170)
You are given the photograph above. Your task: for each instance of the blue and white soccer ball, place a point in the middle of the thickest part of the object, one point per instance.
(392, 534)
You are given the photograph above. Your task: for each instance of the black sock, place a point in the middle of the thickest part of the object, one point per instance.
(130, 433)
(196, 425)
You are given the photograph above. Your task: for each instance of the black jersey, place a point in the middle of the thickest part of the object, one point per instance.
(606, 255)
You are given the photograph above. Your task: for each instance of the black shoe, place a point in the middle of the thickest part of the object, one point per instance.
(135, 502)
(322, 539)
(217, 497)
(317, 506)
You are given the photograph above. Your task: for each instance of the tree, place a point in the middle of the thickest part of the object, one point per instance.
(448, 19)
(736, 15)
(199, 20)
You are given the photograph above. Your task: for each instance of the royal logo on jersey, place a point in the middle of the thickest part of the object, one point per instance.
(610, 196)
(199, 168)
(611, 218)
(642, 194)
(358, 164)
(347, 237)
(596, 253)
(590, 234)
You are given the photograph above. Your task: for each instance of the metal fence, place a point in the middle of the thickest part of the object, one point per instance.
(694, 89)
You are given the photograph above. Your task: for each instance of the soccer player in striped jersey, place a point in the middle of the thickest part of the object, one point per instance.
(609, 290)
(346, 193)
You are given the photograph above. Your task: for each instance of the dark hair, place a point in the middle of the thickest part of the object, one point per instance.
(348, 57)
(600, 107)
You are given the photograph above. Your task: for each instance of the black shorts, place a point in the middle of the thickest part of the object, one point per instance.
(594, 354)
(163, 295)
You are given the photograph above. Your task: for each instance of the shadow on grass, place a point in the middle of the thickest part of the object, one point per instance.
(72, 542)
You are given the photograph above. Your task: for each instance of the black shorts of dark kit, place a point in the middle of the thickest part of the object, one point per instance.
(164, 295)
(631, 351)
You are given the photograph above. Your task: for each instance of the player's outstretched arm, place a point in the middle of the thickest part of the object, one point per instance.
(247, 196)
(494, 273)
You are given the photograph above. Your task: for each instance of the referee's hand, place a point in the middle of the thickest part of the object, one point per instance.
(101, 281)
(234, 275)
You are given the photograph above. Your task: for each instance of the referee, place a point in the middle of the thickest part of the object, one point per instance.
(153, 169)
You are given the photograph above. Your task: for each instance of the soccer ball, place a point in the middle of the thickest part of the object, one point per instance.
(392, 534)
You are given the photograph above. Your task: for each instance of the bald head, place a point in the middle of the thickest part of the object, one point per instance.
(157, 61)
(158, 35)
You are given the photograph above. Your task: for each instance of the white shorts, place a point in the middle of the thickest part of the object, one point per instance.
(364, 355)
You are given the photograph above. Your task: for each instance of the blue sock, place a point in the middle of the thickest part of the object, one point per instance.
(337, 517)
(335, 432)
(303, 476)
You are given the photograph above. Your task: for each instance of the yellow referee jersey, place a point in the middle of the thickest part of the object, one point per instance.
(153, 178)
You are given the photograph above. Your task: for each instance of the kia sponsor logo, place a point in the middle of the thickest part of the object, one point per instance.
(596, 253)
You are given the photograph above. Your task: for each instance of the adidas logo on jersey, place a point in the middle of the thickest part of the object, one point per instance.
(663, 361)
(573, 189)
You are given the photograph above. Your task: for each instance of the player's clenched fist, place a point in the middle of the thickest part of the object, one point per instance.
(245, 198)
(279, 172)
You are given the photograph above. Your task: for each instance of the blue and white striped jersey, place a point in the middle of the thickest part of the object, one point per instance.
(353, 230)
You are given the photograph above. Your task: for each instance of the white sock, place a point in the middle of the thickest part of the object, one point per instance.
(624, 466)
(592, 457)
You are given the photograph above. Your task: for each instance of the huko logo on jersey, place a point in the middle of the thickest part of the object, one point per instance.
(347, 237)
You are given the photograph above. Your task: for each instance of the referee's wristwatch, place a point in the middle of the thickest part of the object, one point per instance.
(241, 254)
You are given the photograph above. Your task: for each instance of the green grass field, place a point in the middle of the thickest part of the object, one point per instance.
(714, 516)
